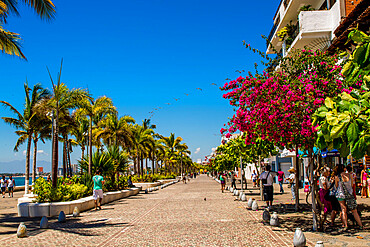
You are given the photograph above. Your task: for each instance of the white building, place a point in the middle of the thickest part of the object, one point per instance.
(314, 28)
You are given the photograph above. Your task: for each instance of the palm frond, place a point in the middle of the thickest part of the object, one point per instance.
(44, 8)
(9, 43)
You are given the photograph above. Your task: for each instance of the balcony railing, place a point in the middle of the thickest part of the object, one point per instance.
(286, 2)
(272, 32)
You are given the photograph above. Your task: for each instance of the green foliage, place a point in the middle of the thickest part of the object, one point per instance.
(344, 122)
(228, 155)
(357, 68)
(67, 190)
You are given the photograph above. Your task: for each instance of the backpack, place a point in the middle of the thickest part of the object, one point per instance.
(264, 180)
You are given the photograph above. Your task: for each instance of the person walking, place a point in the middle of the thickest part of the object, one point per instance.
(292, 182)
(98, 189)
(254, 178)
(267, 178)
(3, 185)
(281, 177)
(363, 177)
(11, 185)
(233, 179)
(324, 186)
(223, 181)
(344, 182)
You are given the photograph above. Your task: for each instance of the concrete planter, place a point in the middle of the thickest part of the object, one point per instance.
(27, 209)
(38, 209)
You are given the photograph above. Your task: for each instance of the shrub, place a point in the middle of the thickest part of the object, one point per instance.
(66, 190)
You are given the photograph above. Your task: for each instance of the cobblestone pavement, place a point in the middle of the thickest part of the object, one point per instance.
(193, 214)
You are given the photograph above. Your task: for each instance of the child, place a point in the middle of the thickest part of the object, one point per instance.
(306, 187)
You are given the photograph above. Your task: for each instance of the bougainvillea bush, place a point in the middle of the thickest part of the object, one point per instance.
(278, 106)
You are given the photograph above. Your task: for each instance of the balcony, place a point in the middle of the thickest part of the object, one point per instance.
(313, 29)
(310, 22)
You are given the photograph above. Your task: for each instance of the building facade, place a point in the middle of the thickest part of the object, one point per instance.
(307, 23)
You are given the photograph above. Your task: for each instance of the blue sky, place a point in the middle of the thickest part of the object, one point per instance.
(142, 54)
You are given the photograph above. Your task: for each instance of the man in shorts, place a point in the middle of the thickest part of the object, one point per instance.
(98, 189)
(267, 178)
(11, 185)
(3, 185)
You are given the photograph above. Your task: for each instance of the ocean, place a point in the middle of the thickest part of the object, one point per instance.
(19, 181)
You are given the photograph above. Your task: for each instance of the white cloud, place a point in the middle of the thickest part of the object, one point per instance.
(197, 150)
(38, 151)
(214, 149)
(199, 161)
(42, 152)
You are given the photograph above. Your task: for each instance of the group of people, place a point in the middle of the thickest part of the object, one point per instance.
(336, 191)
(188, 177)
(338, 195)
(7, 184)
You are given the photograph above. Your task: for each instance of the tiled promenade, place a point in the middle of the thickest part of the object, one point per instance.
(193, 214)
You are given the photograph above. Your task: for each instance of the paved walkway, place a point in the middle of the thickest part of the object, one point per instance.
(193, 214)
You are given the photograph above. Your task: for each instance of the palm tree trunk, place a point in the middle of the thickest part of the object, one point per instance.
(69, 158)
(138, 165)
(64, 160)
(54, 167)
(142, 166)
(27, 178)
(146, 165)
(82, 153)
(34, 161)
(90, 146)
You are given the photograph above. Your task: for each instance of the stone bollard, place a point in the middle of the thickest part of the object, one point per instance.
(266, 216)
(254, 205)
(274, 221)
(22, 230)
(250, 202)
(76, 212)
(62, 217)
(244, 198)
(319, 244)
(299, 240)
(44, 223)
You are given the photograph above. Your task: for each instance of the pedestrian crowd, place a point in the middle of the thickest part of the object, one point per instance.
(7, 184)
(336, 195)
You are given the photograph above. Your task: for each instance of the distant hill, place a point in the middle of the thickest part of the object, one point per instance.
(19, 166)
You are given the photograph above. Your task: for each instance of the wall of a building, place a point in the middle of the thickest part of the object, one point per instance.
(350, 5)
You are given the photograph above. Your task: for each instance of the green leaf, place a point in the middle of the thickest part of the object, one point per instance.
(321, 114)
(355, 94)
(355, 109)
(352, 132)
(347, 68)
(359, 54)
(331, 118)
(337, 143)
(346, 96)
(337, 130)
(329, 103)
(322, 109)
(344, 150)
(365, 103)
(321, 143)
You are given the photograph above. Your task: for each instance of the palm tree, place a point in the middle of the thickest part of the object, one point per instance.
(25, 123)
(9, 41)
(79, 131)
(116, 131)
(92, 108)
(143, 139)
(62, 100)
(41, 131)
(182, 149)
(120, 160)
(171, 143)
